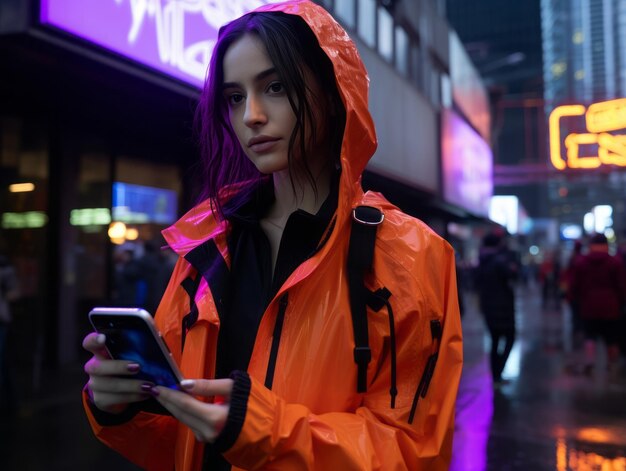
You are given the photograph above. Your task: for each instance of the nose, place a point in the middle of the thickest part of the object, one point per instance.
(254, 114)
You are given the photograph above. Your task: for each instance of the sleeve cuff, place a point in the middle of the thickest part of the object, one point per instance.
(105, 419)
(236, 412)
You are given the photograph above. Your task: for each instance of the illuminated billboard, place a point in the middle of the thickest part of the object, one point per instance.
(139, 204)
(467, 163)
(583, 137)
(175, 37)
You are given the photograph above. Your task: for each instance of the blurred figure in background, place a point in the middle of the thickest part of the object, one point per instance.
(497, 270)
(127, 276)
(155, 268)
(142, 271)
(9, 292)
(598, 287)
(566, 288)
(549, 276)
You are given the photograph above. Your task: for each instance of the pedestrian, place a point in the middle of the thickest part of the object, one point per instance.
(497, 271)
(566, 287)
(598, 284)
(549, 277)
(262, 311)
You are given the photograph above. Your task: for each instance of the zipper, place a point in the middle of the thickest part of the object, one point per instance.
(429, 369)
(278, 328)
(282, 307)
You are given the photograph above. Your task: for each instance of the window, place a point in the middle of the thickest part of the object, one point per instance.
(435, 87)
(416, 65)
(345, 12)
(367, 22)
(402, 51)
(385, 34)
(446, 91)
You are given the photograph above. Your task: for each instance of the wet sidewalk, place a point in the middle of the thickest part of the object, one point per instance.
(544, 419)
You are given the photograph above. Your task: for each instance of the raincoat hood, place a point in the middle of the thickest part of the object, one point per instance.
(359, 139)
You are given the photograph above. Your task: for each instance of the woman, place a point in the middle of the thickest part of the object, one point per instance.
(260, 293)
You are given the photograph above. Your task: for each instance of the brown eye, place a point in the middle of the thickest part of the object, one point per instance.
(276, 88)
(235, 98)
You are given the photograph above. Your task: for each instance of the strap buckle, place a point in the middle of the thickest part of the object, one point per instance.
(367, 215)
(362, 355)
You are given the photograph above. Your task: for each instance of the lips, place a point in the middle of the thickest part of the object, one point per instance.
(262, 143)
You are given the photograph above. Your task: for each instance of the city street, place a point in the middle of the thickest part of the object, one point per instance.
(544, 418)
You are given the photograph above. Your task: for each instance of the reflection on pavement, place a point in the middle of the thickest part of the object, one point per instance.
(474, 410)
(546, 417)
(569, 458)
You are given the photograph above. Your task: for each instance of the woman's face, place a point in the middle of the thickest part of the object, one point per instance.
(258, 105)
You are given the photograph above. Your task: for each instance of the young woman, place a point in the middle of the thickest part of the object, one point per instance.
(258, 311)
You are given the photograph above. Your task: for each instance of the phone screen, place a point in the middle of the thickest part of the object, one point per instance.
(130, 338)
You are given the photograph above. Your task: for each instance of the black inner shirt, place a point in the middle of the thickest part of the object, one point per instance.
(251, 284)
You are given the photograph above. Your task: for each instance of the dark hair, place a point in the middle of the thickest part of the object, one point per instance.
(599, 239)
(295, 52)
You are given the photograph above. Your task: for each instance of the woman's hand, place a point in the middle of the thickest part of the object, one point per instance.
(206, 421)
(107, 387)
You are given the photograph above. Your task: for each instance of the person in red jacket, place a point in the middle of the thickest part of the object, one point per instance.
(258, 313)
(598, 285)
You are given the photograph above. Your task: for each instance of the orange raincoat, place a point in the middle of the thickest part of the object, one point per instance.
(313, 417)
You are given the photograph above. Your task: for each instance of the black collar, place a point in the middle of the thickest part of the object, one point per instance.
(261, 197)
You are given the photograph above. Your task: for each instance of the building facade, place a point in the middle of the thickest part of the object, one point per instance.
(584, 46)
(98, 155)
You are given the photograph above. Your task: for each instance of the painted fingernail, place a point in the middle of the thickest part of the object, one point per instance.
(147, 387)
(100, 339)
(133, 367)
(187, 383)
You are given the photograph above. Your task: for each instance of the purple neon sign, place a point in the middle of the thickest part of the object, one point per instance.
(467, 165)
(175, 37)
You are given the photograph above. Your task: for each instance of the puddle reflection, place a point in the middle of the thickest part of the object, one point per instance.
(568, 458)
(474, 411)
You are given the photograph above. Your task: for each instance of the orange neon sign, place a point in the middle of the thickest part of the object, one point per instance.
(600, 119)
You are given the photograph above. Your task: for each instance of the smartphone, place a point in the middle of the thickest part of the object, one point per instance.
(131, 335)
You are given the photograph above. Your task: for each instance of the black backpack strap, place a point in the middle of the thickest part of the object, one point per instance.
(365, 222)
(190, 285)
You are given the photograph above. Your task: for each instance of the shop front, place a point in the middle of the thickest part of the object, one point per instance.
(97, 155)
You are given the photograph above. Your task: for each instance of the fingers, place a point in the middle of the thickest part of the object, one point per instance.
(205, 420)
(208, 387)
(95, 343)
(111, 385)
(103, 367)
(108, 385)
(108, 393)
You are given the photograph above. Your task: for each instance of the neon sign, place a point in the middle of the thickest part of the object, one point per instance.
(600, 120)
(175, 37)
(467, 165)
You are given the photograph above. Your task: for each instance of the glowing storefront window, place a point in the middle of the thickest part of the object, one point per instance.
(25, 220)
